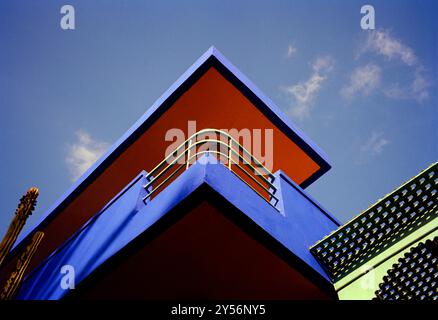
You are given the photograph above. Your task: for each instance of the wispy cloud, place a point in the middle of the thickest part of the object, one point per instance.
(83, 153)
(291, 50)
(373, 146)
(382, 43)
(303, 94)
(418, 89)
(420, 85)
(363, 80)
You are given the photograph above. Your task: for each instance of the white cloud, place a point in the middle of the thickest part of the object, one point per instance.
(291, 50)
(417, 90)
(373, 146)
(382, 43)
(323, 64)
(395, 91)
(303, 94)
(83, 153)
(420, 85)
(363, 80)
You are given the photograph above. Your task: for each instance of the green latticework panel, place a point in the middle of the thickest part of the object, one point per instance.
(390, 219)
(414, 277)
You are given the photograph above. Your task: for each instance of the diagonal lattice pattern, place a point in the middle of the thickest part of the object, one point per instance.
(414, 277)
(390, 219)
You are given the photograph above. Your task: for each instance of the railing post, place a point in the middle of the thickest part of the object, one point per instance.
(230, 142)
(188, 154)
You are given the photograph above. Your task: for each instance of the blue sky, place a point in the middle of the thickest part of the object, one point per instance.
(367, 98)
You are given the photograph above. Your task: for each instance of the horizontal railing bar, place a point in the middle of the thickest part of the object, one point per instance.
(163, 182)
(193, 146)
(156, 188)
(219, 153)
(240, 157)
(254, 179)
(226, 156)
(186, 147)
(220, 133)
(257, 191)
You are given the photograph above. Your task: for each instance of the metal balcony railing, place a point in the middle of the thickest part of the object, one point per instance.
(226, 150)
